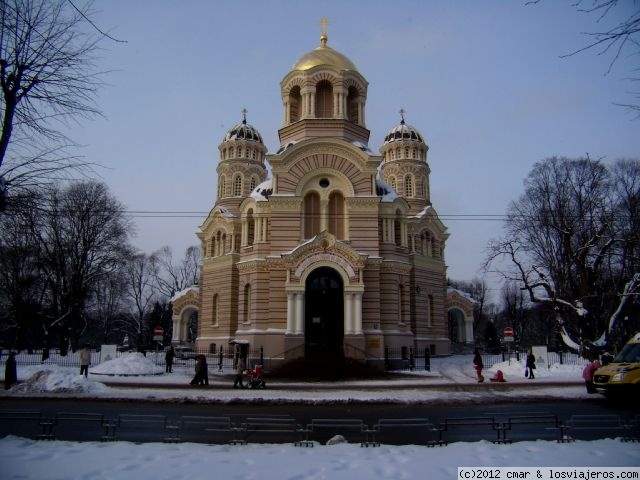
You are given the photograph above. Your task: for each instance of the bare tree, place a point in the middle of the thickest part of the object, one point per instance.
(622, 39)
(108, 307)
(83, 235)
(22, 289)
(565, 245)
(47, 77)
(172, 278)
(141, 274)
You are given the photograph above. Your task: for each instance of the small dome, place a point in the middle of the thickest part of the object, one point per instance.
(243, 131)
(324, 55)
(403, 132)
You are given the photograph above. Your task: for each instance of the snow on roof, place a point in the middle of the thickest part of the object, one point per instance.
(225, 212)
(262, 192)
(286, 146)
(461, 293)
(423, 213)
(182, 293)
(383, 189)
(362, 146)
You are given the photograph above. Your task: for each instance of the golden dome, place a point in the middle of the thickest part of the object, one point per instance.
(324, 55)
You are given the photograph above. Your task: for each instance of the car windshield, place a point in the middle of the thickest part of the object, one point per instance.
(630, 353)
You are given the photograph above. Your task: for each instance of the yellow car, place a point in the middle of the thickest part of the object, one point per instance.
(622, 375)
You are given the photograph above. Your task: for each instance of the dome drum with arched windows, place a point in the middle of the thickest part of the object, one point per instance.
(241, 166)
(338, 252)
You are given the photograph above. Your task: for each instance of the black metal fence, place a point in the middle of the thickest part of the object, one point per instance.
(223, 359)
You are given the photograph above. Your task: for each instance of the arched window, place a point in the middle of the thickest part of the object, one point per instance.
(246, 311)
(237, 185)
(231, 152)
(214, 310)
(397, 229)
(295, 101)
(352, 105)
(221, 186)
(254, 183)
(393, 155)
(414, 154)
(406, 152)
(253, 153)
(216, 253)
(393, 184)
(408, 186)
(250, 227)
(424, 187)
(398, 153)
(311, 214)
(224, 153)
(336, 214)
(324, 99)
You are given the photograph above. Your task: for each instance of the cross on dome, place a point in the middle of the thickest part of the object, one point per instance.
(323, 37)
(244, 115)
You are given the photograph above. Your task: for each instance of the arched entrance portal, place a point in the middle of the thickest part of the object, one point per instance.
(324, 313)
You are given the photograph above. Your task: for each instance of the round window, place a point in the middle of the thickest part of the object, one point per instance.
(324, 182)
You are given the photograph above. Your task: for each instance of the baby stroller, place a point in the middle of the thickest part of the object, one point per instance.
(255, 377)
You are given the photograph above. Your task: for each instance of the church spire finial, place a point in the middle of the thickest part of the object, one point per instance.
(402, 116)
(323, 37)
(244, 115)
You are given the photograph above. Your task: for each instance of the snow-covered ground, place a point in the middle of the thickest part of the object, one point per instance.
(28, 459)
(451, 379)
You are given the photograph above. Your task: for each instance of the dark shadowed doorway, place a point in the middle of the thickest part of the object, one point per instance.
(324, 321)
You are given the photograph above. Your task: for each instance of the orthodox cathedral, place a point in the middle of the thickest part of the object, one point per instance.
(339, 250)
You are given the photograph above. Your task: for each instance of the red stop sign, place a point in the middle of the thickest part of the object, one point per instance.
(508, 332)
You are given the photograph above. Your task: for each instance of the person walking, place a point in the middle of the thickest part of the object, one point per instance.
(204, 371)
(478, 365)
(587, 374)
(10, 371)
(531, 364)
(168, 359)
(241, 366)
(85, 360)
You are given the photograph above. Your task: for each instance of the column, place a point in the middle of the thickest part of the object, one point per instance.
(324, 208)
(265, 223)
(299, 312)
(290, 313)
(175, 338)
(348, 313)
(244, 236)
(287, 112)
(357, 307)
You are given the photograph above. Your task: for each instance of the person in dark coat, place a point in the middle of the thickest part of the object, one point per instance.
(201, 376)
(478, 365)
(531, 365)
(168, 359)
(10, 371)
(204, 371)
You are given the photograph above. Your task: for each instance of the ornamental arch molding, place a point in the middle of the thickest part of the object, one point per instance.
(185, 305)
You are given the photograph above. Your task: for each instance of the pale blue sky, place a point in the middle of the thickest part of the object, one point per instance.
(482, 81)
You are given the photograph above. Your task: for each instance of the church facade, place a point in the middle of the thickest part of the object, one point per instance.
(338, 250)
